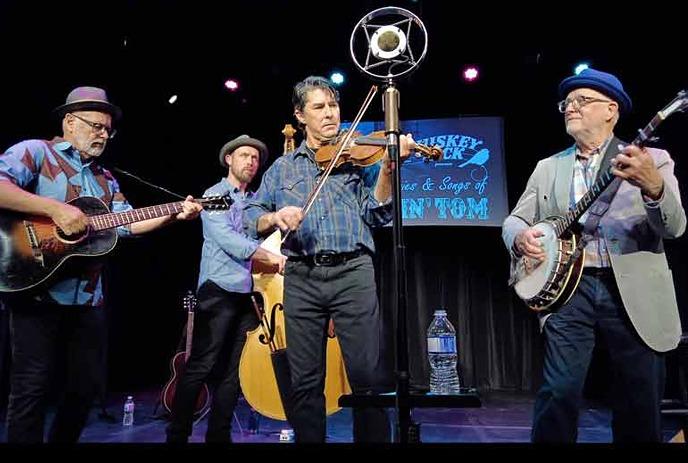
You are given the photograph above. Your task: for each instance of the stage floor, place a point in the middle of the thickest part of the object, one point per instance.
(503, 418)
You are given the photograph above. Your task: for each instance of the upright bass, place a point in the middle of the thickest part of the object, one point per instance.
(263, 368)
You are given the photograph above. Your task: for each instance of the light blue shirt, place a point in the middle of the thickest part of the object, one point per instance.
(225, 259)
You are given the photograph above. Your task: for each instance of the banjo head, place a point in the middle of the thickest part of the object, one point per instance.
(532, 276)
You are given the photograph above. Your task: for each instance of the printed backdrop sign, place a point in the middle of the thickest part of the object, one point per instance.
(467, 186)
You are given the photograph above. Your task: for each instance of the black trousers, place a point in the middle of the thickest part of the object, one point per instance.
(220, 325)
(346, 293)
(40, 334)
(595, 315)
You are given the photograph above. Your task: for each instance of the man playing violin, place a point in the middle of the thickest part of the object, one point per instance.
(329, 271)
(225, 311)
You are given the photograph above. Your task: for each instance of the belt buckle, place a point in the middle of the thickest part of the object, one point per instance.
(324, 259)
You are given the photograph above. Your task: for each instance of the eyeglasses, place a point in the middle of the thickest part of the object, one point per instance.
(578, 102)
(97, 127)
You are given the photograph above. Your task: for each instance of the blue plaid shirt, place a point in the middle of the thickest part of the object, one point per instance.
(226, 254)
(342, 216)
(54, 169)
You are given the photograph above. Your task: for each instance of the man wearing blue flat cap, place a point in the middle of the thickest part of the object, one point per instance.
(625, 300)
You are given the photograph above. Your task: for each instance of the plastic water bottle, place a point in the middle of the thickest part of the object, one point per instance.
(128, 416)
(442, 355)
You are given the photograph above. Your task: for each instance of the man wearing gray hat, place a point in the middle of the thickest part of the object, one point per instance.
(224, 313)
(625, 300)
(38, 177)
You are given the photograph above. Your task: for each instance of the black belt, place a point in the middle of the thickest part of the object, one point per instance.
(598, 271)
(328, 258)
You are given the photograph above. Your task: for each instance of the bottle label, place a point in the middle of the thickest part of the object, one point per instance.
(442, 345)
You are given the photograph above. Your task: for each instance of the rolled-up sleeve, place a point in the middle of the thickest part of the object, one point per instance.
(20, 164)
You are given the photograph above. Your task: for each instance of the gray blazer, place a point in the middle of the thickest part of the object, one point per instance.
(633, 232)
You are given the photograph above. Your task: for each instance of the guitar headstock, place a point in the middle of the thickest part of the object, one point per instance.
(216, 202)
(190, 301)
(678, 104)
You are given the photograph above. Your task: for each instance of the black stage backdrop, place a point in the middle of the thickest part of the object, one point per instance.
(143, 52)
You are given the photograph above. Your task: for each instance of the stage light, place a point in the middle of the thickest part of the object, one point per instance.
(232, 85)
(580, 68)
(470, 74)
(173, 99)
(337, 78)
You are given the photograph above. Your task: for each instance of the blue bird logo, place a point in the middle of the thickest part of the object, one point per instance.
(478, 158)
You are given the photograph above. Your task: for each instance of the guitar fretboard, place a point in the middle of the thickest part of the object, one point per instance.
(116, 219)
(606, 179)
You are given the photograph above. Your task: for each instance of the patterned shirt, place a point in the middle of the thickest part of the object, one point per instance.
(54, 169)
(341, 218)
(584, 173)
(226, 253)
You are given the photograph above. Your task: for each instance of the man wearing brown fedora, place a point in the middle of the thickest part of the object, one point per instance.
(225, 312)
(66, 315)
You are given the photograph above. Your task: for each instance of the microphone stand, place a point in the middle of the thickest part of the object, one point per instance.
(407, 430)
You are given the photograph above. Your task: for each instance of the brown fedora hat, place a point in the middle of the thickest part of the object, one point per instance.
(88, 99)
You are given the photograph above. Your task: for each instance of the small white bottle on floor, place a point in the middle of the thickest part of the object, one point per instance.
(128, 416)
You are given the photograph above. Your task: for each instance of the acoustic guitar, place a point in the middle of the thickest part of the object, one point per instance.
(32, 248)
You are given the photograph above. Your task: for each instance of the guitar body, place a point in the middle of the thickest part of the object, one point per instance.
(168, 392)
(549, 284)
(32, 249)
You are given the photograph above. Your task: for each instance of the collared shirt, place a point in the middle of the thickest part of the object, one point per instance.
(225, 258)
(341, 218)
(584, 173)
(54, 169)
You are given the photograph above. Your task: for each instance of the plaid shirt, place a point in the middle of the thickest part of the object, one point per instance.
(584, 173)
(54, 169)
(341, 218)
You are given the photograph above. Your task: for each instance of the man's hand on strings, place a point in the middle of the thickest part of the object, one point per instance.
(636, 166)
(406, 145)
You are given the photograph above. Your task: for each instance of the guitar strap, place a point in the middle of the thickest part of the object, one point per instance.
(601, 205)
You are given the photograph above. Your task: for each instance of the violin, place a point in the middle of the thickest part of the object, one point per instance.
(366, 150)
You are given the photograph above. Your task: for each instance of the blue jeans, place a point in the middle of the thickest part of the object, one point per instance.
(595, 315)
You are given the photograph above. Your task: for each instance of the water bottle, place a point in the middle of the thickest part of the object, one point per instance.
(128, 416)
(442, 355)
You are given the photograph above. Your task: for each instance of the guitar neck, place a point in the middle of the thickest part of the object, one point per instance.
(189, 335)
(606, 179)
(116, 219)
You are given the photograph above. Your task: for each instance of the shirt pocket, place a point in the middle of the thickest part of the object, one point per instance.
(349, 190)
(292, 193)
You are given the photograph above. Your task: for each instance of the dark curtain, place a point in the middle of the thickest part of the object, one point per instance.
(465, 271)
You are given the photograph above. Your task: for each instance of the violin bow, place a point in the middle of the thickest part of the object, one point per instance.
(333, 162)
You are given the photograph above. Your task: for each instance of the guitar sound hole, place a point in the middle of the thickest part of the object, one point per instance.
(74, 238)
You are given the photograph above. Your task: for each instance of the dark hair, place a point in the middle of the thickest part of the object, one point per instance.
(302, 88)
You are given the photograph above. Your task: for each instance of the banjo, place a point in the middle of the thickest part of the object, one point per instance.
(549, 284)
